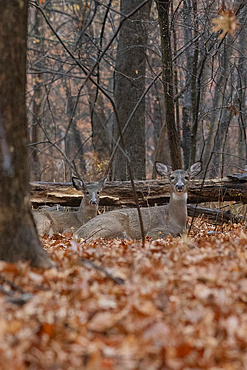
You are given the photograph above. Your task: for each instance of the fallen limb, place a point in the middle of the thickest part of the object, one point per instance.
(150, 193)
(216, 216)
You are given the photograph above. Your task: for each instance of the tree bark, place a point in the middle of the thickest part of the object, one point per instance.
(195, 85)
(161, 154)
(167, 70)
(187, 103)
(220, 142)
(73, 143)
(19, 238)
(242, 82)
(129, 86)
(36, 133)
(219, 100)
(101, 127)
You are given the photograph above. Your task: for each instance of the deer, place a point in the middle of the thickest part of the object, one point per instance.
(158, 221)
(55, 221)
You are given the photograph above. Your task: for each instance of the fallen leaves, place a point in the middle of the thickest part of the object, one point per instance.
(177, 303)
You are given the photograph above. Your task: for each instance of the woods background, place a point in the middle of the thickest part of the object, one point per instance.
(95, 65)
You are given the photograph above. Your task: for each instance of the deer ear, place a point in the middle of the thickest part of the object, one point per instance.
(102, 181)
(78, 184)
(195, 169)
(162, 169)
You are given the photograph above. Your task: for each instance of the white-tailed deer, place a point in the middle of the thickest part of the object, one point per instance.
(157, 221)
(53, 221)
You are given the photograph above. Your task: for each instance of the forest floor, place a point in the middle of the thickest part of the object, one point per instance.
(177, 303)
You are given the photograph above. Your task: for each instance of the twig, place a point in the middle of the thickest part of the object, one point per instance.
(12, 285)
(116, 280)
(18, 300)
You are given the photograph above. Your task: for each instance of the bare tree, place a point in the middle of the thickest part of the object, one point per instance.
(35, 109)
(187, 116)
(163, 7)
(242, 83)
(130, 73)
(220, 100)
(18, 235)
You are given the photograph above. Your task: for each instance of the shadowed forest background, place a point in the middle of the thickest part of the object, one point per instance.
(95, 65)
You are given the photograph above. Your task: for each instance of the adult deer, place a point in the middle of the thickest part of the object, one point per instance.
(157, 221)
(53, 221)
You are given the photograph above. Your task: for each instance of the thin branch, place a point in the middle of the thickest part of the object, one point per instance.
(18, 300)
(116, 280)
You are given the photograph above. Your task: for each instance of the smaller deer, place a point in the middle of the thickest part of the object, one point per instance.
(157, 221)
(54, 221)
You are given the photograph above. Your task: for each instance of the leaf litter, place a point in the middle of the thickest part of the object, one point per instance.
(178, 303)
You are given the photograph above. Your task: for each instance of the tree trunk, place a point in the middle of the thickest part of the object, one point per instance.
(173, 135)
(101, 128)
(219, 100)
(36, 133)
(129, 86)
(19, 238)
(220, 143)
(187, 104)
(195, 85)
(73, 143)
(161, 143)
(242, 83)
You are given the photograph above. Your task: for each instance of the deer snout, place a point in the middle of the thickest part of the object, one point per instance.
(93, 199)
(180, 187)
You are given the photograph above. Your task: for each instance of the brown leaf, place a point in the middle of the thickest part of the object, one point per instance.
(226, 22)
(8, 267)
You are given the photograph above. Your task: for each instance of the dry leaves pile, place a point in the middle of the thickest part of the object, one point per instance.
(179, 303)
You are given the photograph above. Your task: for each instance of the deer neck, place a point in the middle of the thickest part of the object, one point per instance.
(177, 209)
(86, 211)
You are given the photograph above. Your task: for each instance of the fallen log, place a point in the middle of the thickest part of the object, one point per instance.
(215, 216)
(149, 192)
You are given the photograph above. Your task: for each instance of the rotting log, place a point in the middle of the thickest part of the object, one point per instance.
(150, 193)
(215, 216)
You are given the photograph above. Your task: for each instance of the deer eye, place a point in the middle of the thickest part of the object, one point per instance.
(87, 192)
(172, 177)
(186, 177)
(97, 192)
